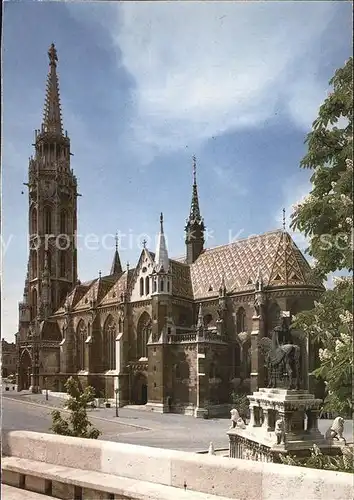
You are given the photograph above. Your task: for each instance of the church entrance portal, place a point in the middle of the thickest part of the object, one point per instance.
(25, 371)
(140, 396)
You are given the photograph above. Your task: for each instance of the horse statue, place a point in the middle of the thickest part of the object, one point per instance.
(280, 359)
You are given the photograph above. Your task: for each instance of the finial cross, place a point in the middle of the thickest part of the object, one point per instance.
(144, 243)
(284, 220)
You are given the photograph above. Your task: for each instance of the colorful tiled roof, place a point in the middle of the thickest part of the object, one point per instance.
(274, 253)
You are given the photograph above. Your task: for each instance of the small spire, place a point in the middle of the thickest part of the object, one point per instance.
(194, 214)
(99, 275)
(52, 113)
(161, 254)
(284, 220)
(116, 267)
(259, 280)
(127, 266)
(194, 170)
(222, 289)
(200, 321)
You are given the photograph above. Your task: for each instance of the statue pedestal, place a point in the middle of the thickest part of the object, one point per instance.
(296, 412)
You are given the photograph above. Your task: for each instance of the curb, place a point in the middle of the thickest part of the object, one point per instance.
(90, 416)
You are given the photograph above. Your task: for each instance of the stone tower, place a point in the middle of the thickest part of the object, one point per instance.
(158, 383)
(52, 186)
(195, 225)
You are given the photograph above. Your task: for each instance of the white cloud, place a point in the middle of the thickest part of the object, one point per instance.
(201, 69)
(293, 193)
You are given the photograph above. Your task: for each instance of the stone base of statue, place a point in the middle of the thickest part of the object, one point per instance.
(282, 421)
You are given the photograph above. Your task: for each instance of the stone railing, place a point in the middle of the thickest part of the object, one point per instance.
(88, 469)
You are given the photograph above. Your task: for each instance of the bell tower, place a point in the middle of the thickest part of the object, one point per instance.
(52, 187)
(195, 225)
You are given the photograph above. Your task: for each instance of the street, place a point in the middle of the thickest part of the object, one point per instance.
(134, 425)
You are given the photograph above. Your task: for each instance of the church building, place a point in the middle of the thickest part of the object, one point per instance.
(177, 335)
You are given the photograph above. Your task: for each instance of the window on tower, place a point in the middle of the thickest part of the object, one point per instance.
(62, 264)
(141, 286)
(34, 263)
(147, 285)
(34, 303)
(47, 220)
(63, 222)
(241, 320)
(34, 221)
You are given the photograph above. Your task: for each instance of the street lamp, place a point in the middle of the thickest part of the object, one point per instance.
(46, 388)
(117, 392)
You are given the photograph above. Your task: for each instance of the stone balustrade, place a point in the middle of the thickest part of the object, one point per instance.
(116, 470)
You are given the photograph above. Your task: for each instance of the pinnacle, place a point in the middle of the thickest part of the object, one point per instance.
(52, 119)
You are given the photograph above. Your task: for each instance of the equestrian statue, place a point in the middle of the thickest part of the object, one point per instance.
(281, 359)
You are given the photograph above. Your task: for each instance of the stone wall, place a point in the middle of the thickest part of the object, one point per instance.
(232, 478)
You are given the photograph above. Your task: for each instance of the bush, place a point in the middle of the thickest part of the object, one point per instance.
(317, 460)
(78, 424)
(241, 403)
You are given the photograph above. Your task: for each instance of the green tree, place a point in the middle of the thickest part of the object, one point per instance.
(326, 214)
(78, 424)
(326, 218)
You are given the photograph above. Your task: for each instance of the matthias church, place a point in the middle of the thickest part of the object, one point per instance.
(176, 335)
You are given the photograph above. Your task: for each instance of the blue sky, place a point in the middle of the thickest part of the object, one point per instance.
(144, 86)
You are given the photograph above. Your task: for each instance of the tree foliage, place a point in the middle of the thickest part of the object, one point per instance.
(330, 324)
(326, 214)
(326, 218)
(77, 424)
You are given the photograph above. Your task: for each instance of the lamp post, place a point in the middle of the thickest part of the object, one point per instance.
(117, 392)
(46, 388)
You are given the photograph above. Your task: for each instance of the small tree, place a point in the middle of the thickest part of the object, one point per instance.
(78, 424)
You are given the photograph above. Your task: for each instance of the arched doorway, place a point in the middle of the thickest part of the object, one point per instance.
(140, 395)
(25, 371)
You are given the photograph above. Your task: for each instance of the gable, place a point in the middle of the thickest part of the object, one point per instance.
(140, 286)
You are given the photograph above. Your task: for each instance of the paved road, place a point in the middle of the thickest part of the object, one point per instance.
(135, 426)
(142, 427)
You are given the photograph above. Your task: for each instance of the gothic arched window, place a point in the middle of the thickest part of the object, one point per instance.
(62, 264)
(47, 220)
(120, 325)
(141, 286)
(161, 285)
(34, 303)
(143, 334)
(109, 344)
(81, 335)
(147, 285)
(34, 268)
(241, 320)
(63, 222)
(34, 221)
(208, 318)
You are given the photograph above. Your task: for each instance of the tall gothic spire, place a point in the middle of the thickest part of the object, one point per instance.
(195, 224)
(161, 256)
(52, 121)
(194, 215)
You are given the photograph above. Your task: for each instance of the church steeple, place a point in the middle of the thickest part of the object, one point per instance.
(195, 225)
(161, 256)
(116, 265)
(52, 121)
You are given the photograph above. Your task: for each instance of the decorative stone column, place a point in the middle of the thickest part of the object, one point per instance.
(312, 421)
